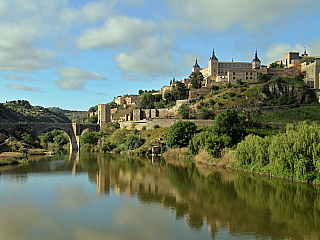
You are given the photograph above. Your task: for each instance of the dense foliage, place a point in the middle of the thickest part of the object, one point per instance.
(180, 133)
(57, 137)
(229, 123)
(294, 154)
(133, 142)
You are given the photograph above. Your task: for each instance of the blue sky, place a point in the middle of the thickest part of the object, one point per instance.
(75, 54)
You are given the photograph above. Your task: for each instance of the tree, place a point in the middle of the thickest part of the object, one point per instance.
(183, 111)
(93, 109)
(140, 92)
(263, 78)
(93, 119)
(180, 133)
(196, 79)
(206, 114)
(89, 137)
(146, 101)
(113, 104)
(180, 91)
(133, 142)
(276, 65)
(229, 123)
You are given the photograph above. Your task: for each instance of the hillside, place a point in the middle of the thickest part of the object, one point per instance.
(74, 116)
(276, 92)
(23, 111)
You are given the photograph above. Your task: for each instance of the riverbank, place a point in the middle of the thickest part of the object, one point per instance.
(10, 158)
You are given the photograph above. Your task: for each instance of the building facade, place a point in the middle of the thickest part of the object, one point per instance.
(218, 71)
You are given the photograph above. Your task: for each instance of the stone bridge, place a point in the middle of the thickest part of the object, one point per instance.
(73, 130)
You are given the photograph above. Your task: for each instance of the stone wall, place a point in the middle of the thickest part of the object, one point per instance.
(133, 124)
(168, 122)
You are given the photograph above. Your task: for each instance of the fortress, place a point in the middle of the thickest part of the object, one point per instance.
(219, 73)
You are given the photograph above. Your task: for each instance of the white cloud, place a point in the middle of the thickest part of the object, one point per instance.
(17, 86)
(74, 78)
(116, 32)
(91, 12)
(277, 51)
(79, 74)
(220, 15)
(152, 57)
(17, 77)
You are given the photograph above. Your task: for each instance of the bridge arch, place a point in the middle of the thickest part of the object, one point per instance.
(73, 130)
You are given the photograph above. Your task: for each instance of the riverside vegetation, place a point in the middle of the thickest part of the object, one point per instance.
(238, 139)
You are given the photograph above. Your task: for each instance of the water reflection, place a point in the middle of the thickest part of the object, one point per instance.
(236, 204)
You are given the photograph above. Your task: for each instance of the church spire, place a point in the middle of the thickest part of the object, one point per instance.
(213, 55)
(256, 59)
(196, 63)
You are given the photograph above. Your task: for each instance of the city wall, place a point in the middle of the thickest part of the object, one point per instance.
(150, 124)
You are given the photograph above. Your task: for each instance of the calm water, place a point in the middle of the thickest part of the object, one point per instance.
(121, 197)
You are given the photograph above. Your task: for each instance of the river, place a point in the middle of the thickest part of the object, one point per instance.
(106, 196)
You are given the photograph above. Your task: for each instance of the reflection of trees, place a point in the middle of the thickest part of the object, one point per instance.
(240, 202)
(294, 206)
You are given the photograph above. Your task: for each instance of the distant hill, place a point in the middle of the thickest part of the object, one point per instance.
(74, 116)
(23, 111)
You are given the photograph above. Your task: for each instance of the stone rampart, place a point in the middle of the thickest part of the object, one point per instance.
(168, 122)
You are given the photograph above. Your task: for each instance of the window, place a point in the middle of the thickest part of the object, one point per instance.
(246, 77)
(234, 77)
(234, 73)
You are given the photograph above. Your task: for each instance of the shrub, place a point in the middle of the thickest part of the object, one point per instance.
(133, 142)
(180, 133)
(293, 154)
(228, 123)
(214, 144)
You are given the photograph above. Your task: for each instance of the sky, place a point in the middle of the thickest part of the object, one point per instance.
(75, 54)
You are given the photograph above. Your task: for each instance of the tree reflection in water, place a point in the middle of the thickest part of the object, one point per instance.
(240, 202)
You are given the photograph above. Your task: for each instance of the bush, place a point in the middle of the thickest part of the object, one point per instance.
(206, 114)
(133, 142)
(180, 133)
(229, 123)
(198, 142)
(89, 137)
(293, 154)
(214, 144)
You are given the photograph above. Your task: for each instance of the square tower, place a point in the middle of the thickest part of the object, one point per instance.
(104, 114)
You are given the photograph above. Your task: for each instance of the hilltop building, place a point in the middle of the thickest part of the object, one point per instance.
(309, 66)
(219, 71)
(128, 100)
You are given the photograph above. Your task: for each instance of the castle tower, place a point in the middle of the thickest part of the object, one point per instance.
(104, 114)
(213, 64)
(256, 63)
(196, 66)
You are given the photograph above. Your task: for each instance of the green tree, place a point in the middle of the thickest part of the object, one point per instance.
(89, 137)
(133, 142)
(196, 79)
(183, 111)
(263, 78)
(206, 114)
(146, 101)
(93, 119)
(93, 109)
(180, 133)
(113, 104)
(229, 123)
(180, 91)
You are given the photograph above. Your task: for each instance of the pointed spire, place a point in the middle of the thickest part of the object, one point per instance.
(213, 55)
(196, 63)
(305, 50)
(256, 59)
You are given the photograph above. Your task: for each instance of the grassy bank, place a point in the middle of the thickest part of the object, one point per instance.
(10, 158)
